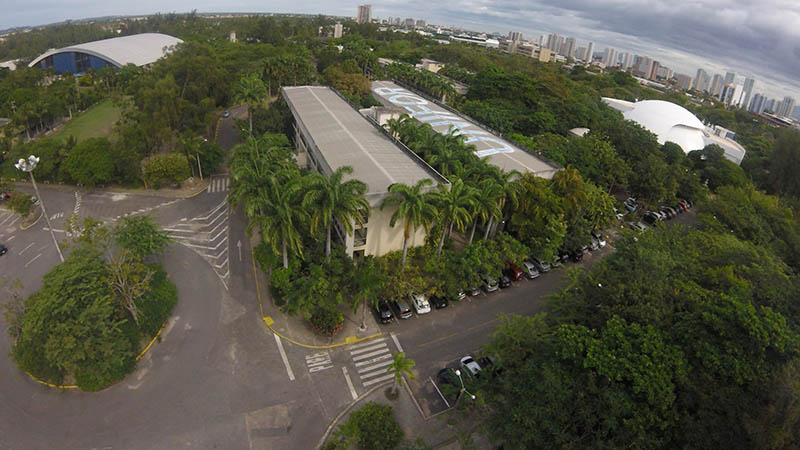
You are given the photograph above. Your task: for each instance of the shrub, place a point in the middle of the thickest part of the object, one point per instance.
(156, 305)
(21, 203)
(90, 162)
(165, 169)
(371, 427)
(327, 321)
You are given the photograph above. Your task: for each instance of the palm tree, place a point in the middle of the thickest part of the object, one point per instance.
(334, 200)
(455, 205)
(414, 207)
(250, 90)
(487, 198)
(401, 366)
(507, 181)
(276, 212)
(368, 284)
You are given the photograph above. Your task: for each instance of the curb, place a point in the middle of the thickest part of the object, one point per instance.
(346, 410)
(268, 321)
(34, 222)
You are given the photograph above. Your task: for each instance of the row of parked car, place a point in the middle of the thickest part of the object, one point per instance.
(652, 217)
(469, 368)
(532, 268)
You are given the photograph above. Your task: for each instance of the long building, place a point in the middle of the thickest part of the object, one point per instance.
(138, 49)
(329, 134)
(499, 151)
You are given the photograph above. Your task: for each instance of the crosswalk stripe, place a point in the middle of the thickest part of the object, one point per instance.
(366, 349)
(377, 380)
(364, 376)
(366, 344)
(376, 366)
(369, 355)
(373, 360)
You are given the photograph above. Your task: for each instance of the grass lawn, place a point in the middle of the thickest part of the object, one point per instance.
(97, 121)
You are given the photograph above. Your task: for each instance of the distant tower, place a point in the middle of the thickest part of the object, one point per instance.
(364, 14)
(514, 36)
(590, 52)
(337, 30)
(232, 36)
(716, 85)
(729, 77)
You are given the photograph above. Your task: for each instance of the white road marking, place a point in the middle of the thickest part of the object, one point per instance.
(10, 238)
(366, 344)
(377, 372)
(440, 392)
(26, 248)
(283, 356)
(6, 219)
(377, 380)
(43, 247)
(56, 230)
(349, 383)
(34, 259)
(384, 363)
(367, 349)
(368, 355)
(373, 360)
(397, 343)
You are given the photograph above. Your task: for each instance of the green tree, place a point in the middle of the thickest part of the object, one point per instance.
(330, 199)
(414, 208)
(140, 236)
(251, 90)
(399, 367)
(90, 162)
(371, 427)
(172, 169)
(455, 207)
(486, 206)
(21, 203)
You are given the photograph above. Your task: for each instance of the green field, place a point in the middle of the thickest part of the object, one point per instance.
(97, 121)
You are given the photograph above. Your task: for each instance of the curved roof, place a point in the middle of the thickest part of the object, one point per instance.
(138, 49)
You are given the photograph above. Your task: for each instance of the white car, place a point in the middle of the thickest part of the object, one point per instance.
(600, 239)
(530, 270)
(470, 366)
(420, 303)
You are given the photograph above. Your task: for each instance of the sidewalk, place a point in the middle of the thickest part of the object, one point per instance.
(190, 188)
(443, 431)
(297, 330)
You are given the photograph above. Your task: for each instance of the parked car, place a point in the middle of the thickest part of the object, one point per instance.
(505, 282)
(600, 238)
(630, 204)
(448, 376)
(576, 255)
(439, 302)
(562, 256)
(420, 303)
(530, 270)
(3, 249)
(470, 366)
(680, 207)
(473, 291)
(489, 284)
(461, 295)
(637, 226)
(594, 244)
(514, 272)
(226, 114)
(384, 312)
(618, 214)
(402, 309)
(541, 266)
(651, 217)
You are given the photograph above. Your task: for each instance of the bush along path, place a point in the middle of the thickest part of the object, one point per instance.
(96, 311)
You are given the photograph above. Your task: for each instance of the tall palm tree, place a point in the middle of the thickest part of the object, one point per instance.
(455, 205)
(509, 186)
(368, 284)
(334, 200)
(401, 366)
(414, 208)
(250, 90)
(275, 210)
(487, 197)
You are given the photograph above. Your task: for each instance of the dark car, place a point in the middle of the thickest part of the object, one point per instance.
(402, 308)
(488, 364)
(3, 249)
(514, 272)
(439, 302)
(447, 376)
(576, 255)
(473, 291)
(384, 312)
(651, 218)
(505, 282)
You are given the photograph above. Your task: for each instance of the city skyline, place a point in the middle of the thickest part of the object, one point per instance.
(685, 37)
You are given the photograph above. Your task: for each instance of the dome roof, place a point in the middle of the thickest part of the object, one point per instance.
(669, 122)
(138, 49)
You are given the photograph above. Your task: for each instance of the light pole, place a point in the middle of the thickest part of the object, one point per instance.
(463, 388)
(28, 166)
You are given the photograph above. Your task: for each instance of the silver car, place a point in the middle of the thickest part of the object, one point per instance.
(530, 270)
(541, 266)
(489, 284)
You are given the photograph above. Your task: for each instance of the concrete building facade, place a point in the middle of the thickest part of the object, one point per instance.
(364, 14)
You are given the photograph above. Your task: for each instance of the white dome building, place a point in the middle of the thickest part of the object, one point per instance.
(674, 123)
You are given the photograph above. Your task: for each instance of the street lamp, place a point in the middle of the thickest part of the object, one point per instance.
(463, 388)
(28, 166)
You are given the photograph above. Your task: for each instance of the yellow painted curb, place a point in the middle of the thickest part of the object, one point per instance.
(200, 191)
(35, 222)
(269, 321)
(57, 386)
(152, 341)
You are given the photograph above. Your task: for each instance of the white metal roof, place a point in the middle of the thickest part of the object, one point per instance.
(138, 49)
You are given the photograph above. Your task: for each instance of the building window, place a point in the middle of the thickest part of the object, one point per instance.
(358, 255)
(81, 62)
(360, 237)
(364, 216)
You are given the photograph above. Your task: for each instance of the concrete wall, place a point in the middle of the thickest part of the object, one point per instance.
(383, 238)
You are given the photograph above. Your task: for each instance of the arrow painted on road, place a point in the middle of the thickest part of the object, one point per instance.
(239, 244)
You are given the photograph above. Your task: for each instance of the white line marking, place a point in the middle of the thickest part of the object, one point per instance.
(377, 380)
(10, 238)
(440, 392)
(369, 355)
(34, 259)
(376, 366)
(373, 360)
(367, 349)
(349, 383)
(14, 221)
(283, 356)
(397, 343)
(366, 344)
(43, 247)
(26, 248)
(6, 219)
(366, 375)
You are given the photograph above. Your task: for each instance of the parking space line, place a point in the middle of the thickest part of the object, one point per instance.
(34, 259)
(43, 247)
(349, 383)
(377, 380)
(397, 343)
(283, 356)
(26, 248)
(367, 349)
(10, 238)
(373, 360)
(368, 355)
(440, 392)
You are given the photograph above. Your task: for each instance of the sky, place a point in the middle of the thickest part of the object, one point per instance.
(759, 39)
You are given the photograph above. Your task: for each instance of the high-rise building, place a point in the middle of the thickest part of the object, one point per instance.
(514, 35)
(554, 42)
(757, 104)
(398, 21)
(364, 14)
(610, 57)
(786, 107)
(730, 77)
(337, 30)
(569, 48)
(590, 53)
(409, 22)
(580, 53)
(732, 94)
(716, 85)
(627, 60)
(664, 72)
(705, 84)
(748, 91)
(390, 21)
(769, 104)
(684, 81)
(420, 23)
(698, 80)
(652, 74)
